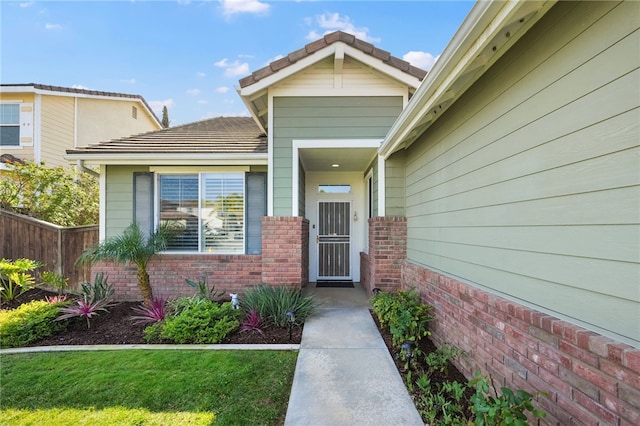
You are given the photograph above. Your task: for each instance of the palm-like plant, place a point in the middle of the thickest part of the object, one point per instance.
(133, 246)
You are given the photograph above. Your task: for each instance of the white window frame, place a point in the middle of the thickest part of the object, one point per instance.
(200, 176)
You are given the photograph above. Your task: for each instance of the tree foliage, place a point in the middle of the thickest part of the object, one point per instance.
(54, 194)
(165, 117)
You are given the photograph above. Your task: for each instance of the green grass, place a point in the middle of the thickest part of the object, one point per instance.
(129, 387)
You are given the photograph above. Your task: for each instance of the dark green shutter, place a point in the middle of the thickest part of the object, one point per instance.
(256, 193)
(143, 201)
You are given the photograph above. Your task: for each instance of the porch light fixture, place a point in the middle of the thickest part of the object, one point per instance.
(291, 318)
(335, 165)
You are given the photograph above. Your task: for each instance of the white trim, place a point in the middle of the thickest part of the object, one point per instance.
(75, 122)
(478, 43)
(323, 53)
(270, 157)
(37, 128)
(199, 169)
(103, 203)
(298, 144)
(382, 193)
(333, 91)
(170, 159)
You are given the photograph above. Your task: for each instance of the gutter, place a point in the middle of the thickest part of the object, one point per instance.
(489, 30)
(85, 169)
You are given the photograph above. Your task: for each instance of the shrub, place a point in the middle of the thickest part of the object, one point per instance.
(506, 408)
(16, 277)
(55, 280)
(272, 304)
(153, 332)
(202, 321)
(28, 323)
(404, 314)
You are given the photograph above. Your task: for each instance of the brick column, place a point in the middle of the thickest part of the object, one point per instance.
(387, 251)
(285, 251)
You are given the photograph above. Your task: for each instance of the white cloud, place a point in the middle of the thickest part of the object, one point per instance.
(80, 86)
(129, 81)
(233, 69)
(222, 89)
(52, 26)
(424, 60)
(156, 106)
(26, 4)
(232, 7)
(201, 74)
(193, 92)
(331, 22)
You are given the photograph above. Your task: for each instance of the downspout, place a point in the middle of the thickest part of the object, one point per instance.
(87, 170)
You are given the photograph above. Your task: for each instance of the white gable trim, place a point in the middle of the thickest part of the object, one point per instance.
(338, 48)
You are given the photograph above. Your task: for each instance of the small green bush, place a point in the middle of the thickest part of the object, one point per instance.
(201, 322)
(29, 322)
(272, 304)
(405, 315)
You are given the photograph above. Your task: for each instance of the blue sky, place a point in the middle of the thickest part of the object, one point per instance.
(189, 55)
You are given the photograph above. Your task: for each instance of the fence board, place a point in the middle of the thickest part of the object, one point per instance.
(56, 246)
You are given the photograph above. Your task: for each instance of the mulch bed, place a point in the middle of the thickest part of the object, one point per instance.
(115, 327)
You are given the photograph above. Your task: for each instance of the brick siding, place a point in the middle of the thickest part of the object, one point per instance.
(284, 261)
(590, 379)
(387, 251)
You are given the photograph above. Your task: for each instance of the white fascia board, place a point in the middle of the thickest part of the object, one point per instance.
(31, 89)
(170, 159)
(250, 107)
(303, 63)
(479, 28)
(380, 66)
(321, 54)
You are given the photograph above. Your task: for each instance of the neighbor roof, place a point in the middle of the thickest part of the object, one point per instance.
(325, 41)
(35, 87)
(220, 136)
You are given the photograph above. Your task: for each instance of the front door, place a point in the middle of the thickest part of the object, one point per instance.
(334, 240)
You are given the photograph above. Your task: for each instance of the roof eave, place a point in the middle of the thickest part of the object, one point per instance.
(186, 159)
(465, 54)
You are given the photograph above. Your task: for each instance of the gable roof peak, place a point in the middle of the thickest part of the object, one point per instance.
(325, 41)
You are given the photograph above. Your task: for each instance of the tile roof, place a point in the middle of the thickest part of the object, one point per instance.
(327, 40)
(72, 90)
(223, 135)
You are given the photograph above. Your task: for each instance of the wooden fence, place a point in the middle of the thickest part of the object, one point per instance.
(56, 246)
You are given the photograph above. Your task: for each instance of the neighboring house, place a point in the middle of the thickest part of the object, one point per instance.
(40, 123)
(506, 189)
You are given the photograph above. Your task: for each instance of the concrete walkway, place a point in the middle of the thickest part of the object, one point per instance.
(344, 374)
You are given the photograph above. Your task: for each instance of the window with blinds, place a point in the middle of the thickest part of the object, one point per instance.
(208, 208)
(222, 212)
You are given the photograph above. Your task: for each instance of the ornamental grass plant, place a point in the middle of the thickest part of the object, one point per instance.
(272, 304)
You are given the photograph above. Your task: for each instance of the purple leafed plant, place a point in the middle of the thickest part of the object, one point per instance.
(85, 309)
(252, 322)
(155, 311)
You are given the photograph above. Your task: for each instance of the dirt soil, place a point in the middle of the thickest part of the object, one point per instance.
(115, 327)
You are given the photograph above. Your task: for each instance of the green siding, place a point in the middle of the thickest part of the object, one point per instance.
(395, 184)
(323, 118)
(529, 184)
(119, 198)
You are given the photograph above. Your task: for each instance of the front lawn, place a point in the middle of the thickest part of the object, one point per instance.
(151, 387)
